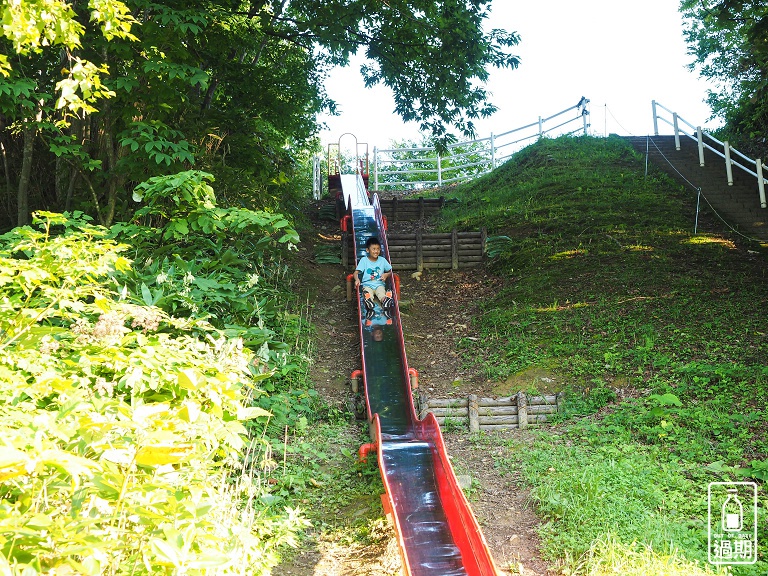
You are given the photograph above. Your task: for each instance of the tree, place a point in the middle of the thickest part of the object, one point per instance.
(229, 87)
(729, 42)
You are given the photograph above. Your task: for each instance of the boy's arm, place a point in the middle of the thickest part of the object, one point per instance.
(357, 278)
(388, 273)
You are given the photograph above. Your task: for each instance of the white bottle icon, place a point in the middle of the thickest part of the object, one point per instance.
(732, 517)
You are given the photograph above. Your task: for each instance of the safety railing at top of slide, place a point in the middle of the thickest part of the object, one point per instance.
(415, 168)
(705, 140)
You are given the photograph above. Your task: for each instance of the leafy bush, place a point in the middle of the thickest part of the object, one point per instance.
(122, 426)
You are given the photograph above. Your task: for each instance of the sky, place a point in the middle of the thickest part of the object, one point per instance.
(620, 54)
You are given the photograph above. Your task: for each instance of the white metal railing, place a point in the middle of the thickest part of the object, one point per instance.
(705, 140)
(413, 168)
(317, 177)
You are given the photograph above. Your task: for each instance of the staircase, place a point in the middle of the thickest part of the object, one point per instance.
(738, 205)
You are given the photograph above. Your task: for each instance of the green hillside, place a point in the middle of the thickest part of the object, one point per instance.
(656, 335)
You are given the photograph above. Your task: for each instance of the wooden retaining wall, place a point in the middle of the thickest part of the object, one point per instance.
(411, 209)
(398, 209)
(518, 411)
(420, 250)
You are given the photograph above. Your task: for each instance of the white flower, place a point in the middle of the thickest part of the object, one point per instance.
(162, 278)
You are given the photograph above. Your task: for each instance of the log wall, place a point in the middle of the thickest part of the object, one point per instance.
(420, 250)
(398, 209)
(518, 411)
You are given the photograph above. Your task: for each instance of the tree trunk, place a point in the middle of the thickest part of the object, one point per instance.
(22, 195)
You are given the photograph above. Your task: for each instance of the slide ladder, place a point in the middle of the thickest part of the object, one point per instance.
(436, 531)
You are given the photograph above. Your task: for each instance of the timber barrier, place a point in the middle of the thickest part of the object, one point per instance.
(402, 209)
(420, 250)
(518, 411)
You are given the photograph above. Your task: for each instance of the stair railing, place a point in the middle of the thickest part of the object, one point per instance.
(705, 140)
(415, 168)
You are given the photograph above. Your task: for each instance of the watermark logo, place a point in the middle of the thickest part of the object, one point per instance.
(732, 521)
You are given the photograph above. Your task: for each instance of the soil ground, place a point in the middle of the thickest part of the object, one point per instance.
(437, 308)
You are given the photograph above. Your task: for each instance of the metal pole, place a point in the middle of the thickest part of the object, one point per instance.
(700, 138)
(493, 152)
(541, 128)
(655, 120)
(698, 201)
(439, 170)
(760, 182)
(677, 131)
(728, 163)
(375, 169)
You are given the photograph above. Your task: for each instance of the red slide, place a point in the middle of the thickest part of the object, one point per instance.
(437, 533)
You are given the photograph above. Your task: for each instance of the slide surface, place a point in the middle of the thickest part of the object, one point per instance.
(437, 533)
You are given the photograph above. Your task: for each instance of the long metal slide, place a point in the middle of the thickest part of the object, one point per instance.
(437, 533)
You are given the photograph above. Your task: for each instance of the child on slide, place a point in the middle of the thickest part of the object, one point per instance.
(374, 270)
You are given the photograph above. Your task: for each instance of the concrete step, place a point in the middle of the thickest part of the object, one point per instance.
(740, 202)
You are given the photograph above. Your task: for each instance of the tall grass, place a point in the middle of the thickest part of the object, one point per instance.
(656, 335)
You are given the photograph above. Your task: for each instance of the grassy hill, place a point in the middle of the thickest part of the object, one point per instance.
(657, 336)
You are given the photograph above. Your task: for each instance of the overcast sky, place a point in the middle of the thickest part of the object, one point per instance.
(619, 54)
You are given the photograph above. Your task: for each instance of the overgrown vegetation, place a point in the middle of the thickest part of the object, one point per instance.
(147, 379)
(657, 335)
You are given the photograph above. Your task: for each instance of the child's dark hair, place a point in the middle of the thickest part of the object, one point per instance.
(372, 241)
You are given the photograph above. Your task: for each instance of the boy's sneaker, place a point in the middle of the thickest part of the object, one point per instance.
(368, 302)
(388, 303)
(388, 316)
(369, 315)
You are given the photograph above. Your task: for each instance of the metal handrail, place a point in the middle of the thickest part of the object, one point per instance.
(384, 161)
(702, 137)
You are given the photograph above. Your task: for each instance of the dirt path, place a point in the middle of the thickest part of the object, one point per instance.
(437, 310)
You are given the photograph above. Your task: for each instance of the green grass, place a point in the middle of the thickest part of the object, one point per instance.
(607, 286)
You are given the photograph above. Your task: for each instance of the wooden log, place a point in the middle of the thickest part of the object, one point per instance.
(474, 422)
(419, 255)
(497, 410)
(503, 401)
(512, 400)
(542, 409)
(547, 399)
(447, 402)
(485, 420)
(454, 249)
(462, 412)
(522, 411)
(423, 404)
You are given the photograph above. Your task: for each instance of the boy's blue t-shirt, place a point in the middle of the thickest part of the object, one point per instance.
(371, 271)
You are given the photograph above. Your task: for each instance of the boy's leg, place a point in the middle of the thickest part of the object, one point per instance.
(368, 298)
(385, 297)
(381, 294)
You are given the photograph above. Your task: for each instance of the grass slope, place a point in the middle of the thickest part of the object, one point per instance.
(609, 288)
